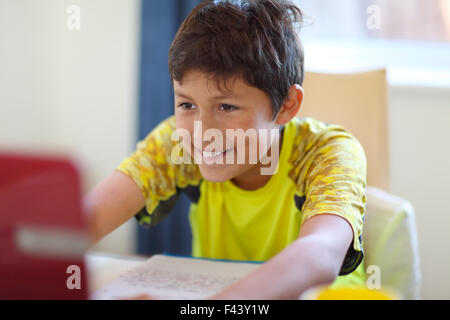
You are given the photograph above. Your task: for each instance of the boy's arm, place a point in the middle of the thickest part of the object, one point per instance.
(111, 203)
(315, 258)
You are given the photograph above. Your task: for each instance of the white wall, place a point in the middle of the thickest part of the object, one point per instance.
(71, 91)
(420, 172)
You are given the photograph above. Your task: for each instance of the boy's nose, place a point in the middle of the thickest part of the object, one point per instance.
(206, 117)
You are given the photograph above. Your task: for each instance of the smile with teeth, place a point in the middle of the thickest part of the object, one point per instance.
(214, 154)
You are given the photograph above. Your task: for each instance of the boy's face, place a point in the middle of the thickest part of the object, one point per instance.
(197, 98)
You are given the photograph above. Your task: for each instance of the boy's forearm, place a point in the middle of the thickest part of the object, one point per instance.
(91, 218)
(110, 204)
(303, 264)
(101, 217)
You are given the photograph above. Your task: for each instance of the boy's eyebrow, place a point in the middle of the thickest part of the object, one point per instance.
(223, 96)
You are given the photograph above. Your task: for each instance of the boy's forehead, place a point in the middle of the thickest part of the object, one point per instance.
(196, 80)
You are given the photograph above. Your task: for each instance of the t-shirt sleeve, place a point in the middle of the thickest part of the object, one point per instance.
(336, 185)
(155, 172)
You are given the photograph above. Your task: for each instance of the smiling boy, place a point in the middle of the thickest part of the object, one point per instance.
(238, 66)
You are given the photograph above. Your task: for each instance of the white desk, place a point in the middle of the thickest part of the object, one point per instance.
(104, 267)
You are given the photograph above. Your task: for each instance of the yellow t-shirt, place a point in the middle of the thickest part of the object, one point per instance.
(321, 170)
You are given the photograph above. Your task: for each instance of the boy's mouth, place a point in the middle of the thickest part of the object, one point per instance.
(210, 157)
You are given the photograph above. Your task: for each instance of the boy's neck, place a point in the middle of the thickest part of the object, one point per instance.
(253, 179)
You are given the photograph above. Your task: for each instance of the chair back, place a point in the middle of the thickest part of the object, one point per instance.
(358, 102)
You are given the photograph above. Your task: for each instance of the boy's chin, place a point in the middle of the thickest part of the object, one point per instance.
(217, 173)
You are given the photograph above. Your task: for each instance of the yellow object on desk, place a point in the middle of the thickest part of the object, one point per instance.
(325, 293)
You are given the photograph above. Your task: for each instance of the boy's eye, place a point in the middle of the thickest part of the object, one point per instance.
(186, 106)
(190, 106)
(227, 107)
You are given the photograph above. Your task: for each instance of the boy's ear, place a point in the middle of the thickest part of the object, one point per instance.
(291, 104)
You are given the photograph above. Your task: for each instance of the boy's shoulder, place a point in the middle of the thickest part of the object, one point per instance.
(311, 135)
(317, 148)
(310, 131)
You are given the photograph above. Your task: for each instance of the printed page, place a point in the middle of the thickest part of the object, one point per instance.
(168, 277)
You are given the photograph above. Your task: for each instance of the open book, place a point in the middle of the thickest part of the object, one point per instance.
(173, 277)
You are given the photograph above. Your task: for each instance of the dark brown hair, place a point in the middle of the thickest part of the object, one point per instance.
(253, 39)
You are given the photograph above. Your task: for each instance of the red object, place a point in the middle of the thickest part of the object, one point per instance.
(42, 228)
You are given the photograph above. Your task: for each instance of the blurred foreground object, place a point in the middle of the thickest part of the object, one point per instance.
(42, 230)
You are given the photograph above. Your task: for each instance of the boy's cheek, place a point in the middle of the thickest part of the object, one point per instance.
(182, 122)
